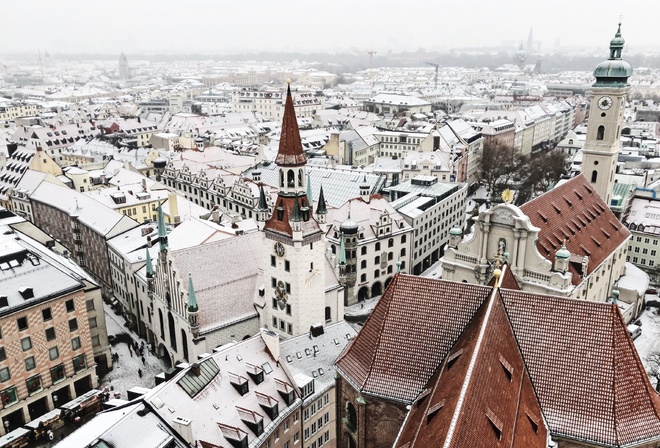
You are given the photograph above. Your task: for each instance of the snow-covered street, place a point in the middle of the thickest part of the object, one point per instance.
(647, 342)
(124, 374)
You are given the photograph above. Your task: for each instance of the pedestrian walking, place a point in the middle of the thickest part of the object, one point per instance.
(140, 373)
(143, 361)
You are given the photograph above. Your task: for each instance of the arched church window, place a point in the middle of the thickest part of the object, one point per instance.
(290, 179)
(281, 179)
(570, 142)
(300, 178)
(594, 176)
(600, 134)
(172, 330)
(351, 417)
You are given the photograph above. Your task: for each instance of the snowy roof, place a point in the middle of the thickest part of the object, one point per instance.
(315, 357)
(93, 214)
(226, 278)
(125, 427)
(220, 403)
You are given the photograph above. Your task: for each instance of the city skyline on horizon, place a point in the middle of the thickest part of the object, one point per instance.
(167, 27)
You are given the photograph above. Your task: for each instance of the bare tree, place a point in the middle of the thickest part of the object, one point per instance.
(542, 171)
(499, 163)
(653, 367)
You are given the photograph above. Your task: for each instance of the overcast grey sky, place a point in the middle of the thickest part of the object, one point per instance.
(220, 26)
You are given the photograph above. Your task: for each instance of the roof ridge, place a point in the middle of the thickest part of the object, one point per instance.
(614, 376)
(468, 376)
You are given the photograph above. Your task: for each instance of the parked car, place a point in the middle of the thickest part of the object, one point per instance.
(652, 291)
(635, 331)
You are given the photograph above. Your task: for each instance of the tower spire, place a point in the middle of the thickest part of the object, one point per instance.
(162, 229)
(310, 201)
(321, 208)
(192, 298)
(290, 151)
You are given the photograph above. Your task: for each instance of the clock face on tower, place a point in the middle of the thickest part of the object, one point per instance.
(605, 102)
(279, 249)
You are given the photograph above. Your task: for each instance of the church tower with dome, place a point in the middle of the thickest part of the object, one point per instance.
(608, 102)
(294, 272)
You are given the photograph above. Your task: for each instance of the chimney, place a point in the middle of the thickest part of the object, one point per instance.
(184, 427)
(144, 185)
(195, 369)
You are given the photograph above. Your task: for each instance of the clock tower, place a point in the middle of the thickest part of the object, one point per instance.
(608, 102)
(294, 273)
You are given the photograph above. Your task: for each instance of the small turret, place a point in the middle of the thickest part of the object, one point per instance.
(262, 206)
(342, 258)
(296, 219)
(150, 276)
(310, 200)
(365, 189)
(162, 229)
(562, 257)
(321, 209)
(455, 236)
(192, 308)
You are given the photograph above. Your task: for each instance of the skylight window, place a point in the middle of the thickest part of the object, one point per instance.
(267, 368)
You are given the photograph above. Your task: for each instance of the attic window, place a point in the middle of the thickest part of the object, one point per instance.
(495, 423)
(453, 358)
(568, 201)
(577, 194)
(289, 359)
(533, 421)
(595, 241)
(508, 368)
(543, 217)
(605, 233)
(433, 410)
(557, 209)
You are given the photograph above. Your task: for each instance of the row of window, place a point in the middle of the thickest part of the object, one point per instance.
(34, 383)
(642, 261)
(645, 251)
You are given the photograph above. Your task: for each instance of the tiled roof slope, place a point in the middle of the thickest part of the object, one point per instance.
(226, 278)
(585, 369)
(575, 212)
(408, 334)
(290, 152)
(498, 406)
(283, 226)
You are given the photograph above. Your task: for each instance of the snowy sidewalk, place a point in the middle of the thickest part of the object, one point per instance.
(124, 375)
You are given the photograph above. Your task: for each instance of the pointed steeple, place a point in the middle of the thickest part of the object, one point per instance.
(290, 152)
(192, 299)
(162, 229)
(309, 193)
(150, 267)
(263, 205)
(321, 208)
(342, 250)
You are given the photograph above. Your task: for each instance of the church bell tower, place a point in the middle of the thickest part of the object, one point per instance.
(608, 102)
(295, 269)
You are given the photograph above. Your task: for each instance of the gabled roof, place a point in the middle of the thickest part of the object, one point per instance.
(589, 380)
(481, 392)
(383, 362)
(585, 368)
(575, 212)
(290, 152)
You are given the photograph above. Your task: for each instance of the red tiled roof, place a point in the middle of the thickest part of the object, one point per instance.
(283, 226)
(575, 212)
(586, 373)
(385, 359)
(498, 392)
(290, 152)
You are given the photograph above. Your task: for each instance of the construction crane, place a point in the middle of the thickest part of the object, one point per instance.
(435, 78)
